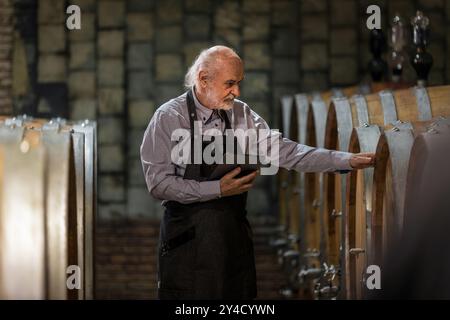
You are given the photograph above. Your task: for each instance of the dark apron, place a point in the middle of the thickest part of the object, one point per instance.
(206, 248)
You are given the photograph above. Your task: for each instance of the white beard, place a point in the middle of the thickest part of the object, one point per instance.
(227, 105)
(219, 103)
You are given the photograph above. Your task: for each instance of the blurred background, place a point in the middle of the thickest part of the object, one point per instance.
(131, 56)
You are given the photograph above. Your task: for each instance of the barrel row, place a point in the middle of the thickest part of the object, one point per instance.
(326, 208)
(47, 208)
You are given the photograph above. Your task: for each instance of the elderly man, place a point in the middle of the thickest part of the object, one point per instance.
(206, 249)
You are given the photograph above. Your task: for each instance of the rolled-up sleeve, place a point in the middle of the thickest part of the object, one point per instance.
(300, 157)
(159, 170)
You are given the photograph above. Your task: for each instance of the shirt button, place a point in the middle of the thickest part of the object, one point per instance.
(216, 124)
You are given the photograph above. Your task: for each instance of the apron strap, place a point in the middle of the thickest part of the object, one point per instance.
(192, 118)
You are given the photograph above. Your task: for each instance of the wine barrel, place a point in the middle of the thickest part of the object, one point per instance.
(66, 153)
(429, 154)
(417, 266)
(389, 184)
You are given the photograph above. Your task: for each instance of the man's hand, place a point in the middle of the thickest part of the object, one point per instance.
(230, 186)
(362, 160)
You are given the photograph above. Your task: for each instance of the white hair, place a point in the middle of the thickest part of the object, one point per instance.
(206, 61)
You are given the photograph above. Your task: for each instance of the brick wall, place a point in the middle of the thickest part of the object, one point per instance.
(126, 260)
(6, 41)
(269, 276)
(126, 254)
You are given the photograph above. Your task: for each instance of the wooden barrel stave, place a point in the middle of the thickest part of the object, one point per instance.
(29, 280)
(313, 184)
(283, 175)
(309, 224)
(89, 129)
(293, 181)
(301, 112)
(57, 211)
(310, 221)
(77, 217)
(22, 221)
(337, 136)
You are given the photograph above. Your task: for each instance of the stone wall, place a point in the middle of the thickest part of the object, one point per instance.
(131, 56)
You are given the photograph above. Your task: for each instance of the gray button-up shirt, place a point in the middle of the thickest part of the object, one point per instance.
(165, 179)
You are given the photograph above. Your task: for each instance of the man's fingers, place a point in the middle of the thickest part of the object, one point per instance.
(246, 187)
(232, 185)
(233, 173)
(367, 154)
(364, 159)
(247, 178)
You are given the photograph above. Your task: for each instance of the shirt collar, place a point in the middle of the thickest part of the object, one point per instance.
(203, 112)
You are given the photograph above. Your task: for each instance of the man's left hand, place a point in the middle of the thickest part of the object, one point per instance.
(362, 160)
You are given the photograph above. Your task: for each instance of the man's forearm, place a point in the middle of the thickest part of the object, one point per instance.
(184, 190)
(309, 159)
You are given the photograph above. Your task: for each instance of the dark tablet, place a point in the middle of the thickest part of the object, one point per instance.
(222, 169)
